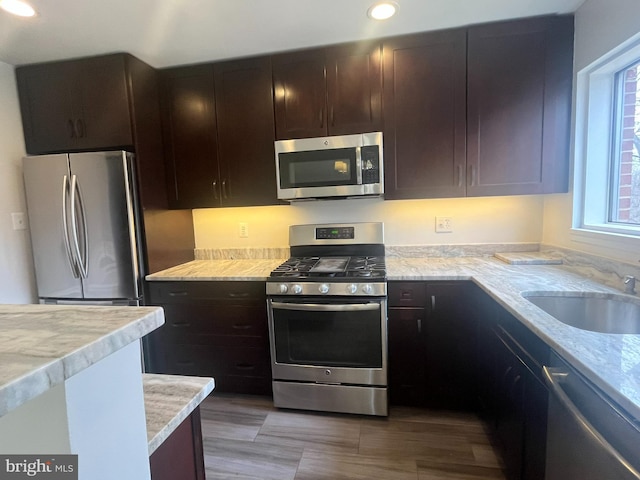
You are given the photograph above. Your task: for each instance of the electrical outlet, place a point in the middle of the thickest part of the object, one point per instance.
(444, 224)
(19, 221)
(243, 230)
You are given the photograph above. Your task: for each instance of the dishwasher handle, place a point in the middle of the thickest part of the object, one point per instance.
(553, 377)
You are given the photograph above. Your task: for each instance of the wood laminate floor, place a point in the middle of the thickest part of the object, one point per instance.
(245, 437)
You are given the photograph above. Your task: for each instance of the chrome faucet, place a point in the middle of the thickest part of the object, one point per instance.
(630, 284)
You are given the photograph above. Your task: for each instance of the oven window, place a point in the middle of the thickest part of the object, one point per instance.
(328, 338)
(319, 168)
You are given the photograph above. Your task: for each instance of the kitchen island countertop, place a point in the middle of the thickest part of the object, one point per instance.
(41, 346)
(611, 361)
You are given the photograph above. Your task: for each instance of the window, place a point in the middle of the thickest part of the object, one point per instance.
(624, 204)
(607, 148)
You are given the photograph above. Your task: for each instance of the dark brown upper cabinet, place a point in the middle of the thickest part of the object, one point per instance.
(329, 91)
(519, 106)
(189, 133)
(77, 104)
(219, 132)
(246, 132)
(479, 111)
(424, 115)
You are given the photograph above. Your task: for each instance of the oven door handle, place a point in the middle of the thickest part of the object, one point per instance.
(323, 307)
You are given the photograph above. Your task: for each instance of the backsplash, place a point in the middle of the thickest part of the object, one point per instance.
(469, 250)
(251, 253)
(599, 269)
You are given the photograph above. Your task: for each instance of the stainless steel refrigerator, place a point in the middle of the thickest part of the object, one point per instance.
(82, 210)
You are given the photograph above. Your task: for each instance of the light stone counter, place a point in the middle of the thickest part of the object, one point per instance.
(71, 383)
(611, 361)
(222, 270)
(41, 346)
(168, 400)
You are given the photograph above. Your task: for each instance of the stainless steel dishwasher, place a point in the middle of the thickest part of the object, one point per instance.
(589, 437)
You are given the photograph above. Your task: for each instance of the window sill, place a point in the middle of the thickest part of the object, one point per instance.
(611, 240)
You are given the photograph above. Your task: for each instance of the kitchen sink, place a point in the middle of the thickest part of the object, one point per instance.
(597, 312)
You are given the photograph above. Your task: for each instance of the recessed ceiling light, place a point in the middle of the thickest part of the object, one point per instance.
(382, 10)
(17, 7)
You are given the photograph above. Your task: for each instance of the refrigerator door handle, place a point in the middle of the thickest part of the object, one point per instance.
(65, 227)
(83, 258)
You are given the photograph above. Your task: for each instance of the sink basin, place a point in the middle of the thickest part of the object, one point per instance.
(597, 312)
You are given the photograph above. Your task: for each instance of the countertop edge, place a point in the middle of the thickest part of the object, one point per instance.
(169, 400)
(55, 371)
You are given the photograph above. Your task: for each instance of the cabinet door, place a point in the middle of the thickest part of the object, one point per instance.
(406, 355)
(246, 132)
(510, 415)
(104, 121)
(425, 115)
(189, 131)
(354, 89)
(450, 335)
(300, 94)
(75, 105)
(519, 101)
(48, 112)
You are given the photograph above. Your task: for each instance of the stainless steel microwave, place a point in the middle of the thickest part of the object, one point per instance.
(330, 167)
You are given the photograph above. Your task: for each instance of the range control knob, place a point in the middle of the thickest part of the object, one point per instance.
(297, 289)
(283, 288)
(323, 288)
(367, 289)
(352, 288)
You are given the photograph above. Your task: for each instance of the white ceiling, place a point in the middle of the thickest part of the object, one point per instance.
(174, 32)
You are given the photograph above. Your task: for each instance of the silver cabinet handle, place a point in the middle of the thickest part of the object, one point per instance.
(419, 325)
(553, 378)
(433, 303)
(472, 175)
(215, 189)
(224, 189)
(459, 176)
(321, 307)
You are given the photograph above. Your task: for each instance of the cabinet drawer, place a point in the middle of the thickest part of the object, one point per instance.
(199, 324)
(407, 294)
(205, 292)
(216, 361)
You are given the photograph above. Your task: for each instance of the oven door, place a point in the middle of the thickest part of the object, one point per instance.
(335, 341)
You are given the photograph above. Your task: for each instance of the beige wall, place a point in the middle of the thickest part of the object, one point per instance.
(600, 25)
(516, 219)
(17, 283)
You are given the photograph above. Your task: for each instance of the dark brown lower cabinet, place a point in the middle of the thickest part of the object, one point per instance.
(212, 329)
(181, 455)
(431, 345)
(451, 346)
(511, 393)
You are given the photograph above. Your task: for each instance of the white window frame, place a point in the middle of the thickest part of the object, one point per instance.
(595, 104)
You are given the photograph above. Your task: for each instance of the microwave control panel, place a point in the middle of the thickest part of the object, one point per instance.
(370, 164)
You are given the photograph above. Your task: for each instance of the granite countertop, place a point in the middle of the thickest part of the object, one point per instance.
(616, 372)
(43, 345)
(221, 270)
(168, 400)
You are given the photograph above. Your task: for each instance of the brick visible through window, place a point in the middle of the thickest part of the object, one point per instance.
(625, 202)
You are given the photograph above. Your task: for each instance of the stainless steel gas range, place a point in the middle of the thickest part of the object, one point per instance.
(328, 320)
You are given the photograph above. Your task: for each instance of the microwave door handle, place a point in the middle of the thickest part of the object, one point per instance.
(359, 165)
